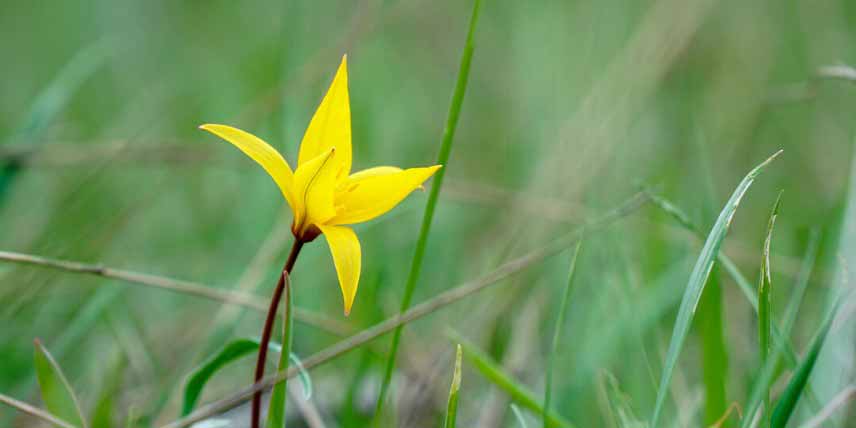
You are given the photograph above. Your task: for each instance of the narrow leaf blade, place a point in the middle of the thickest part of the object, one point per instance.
(57, 394)
(695, 285)
(788, 401)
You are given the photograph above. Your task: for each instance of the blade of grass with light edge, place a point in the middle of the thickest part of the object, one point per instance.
(783, 344)
(557, 334)
(452, 406)
(57, 394)
(496, 375)
(765, 283)
(696, 283)
(422, 241)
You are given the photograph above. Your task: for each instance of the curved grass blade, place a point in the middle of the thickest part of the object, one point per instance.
(430, 206)
(557, 333)
(784, 348)
(788, 401)
(452, 406)
(696, 283)
(764, 303)
(496, 375)
(57, 394)
(228, 354)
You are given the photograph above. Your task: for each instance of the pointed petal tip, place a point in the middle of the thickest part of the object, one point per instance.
(210, 127)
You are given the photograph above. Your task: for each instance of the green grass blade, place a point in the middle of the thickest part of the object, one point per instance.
(57, 394)
(784, 348)
(714, 350)
(696, 283)
(496, 375)
(764, 301)
(452, 406)
(557, 334)
(230, 352)
(278, 397)
(731, 268)
(430, 206)
(199, 377)
(714, 358)
(788, 401)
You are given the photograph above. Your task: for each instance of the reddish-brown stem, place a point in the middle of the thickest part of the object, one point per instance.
(268, 327)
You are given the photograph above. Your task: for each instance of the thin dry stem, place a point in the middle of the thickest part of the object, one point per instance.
(175, 285)
(35, 411)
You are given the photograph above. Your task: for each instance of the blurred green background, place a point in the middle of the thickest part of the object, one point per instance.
(572, 107)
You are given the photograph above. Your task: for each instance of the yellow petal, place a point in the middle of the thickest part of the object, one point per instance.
(345, 248)
(331, 125)
(263, 154)
(314, 188)
(370, 195)
(378, 170)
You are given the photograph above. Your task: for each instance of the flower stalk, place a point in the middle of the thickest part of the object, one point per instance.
(268, 327)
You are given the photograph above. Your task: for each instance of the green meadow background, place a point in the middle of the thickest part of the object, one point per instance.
(572, 109)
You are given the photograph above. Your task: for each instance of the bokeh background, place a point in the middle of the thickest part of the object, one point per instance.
(572, 108)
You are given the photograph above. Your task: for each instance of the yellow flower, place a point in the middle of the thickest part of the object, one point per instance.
(324, 196)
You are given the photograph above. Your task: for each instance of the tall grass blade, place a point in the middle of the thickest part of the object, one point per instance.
(452, 406)
(714, 358)
(696, 283)
(557, 334)
(57, 394)
(430, 206)
(788, 401)
(496, 375)
(230, 352)
(278, 397)
(714, 350)
(764, 302)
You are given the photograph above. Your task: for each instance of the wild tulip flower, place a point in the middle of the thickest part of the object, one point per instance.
(323, 194)
(325, 198)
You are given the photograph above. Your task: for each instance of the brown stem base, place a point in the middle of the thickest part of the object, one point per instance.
(268, 327)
